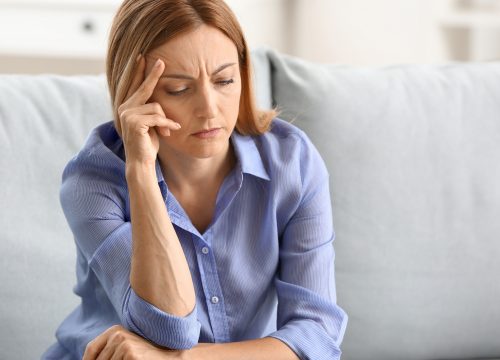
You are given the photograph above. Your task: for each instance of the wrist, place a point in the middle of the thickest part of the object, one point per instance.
(201, 351)
(135, 170)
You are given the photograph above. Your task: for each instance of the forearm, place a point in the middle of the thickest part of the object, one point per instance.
(159, 271)
(259, 349)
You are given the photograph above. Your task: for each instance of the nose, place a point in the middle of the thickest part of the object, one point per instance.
(206, 106)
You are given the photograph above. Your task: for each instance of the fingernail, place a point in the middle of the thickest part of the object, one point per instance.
(157, 63)
(177, 125)
(138, 58)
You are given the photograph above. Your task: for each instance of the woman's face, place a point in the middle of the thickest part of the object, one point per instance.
(200, 89)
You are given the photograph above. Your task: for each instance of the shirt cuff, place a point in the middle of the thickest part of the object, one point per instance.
(159, 327)
(308, 340)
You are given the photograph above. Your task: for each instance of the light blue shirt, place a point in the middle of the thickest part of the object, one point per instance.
(264, 266)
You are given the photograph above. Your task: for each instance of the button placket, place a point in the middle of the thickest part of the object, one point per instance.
(212, 289)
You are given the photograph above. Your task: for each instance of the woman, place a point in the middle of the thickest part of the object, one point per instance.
(203, 226)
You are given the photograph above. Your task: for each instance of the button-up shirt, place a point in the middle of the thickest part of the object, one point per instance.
(263, 267)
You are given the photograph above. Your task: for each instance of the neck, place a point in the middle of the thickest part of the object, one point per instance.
(184, 172)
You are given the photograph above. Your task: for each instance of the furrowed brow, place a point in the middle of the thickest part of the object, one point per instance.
(187, 77)
(222, 67)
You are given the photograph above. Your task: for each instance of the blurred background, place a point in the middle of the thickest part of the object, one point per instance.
(69, 36)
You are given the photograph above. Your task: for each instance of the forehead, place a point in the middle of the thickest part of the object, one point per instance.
(205, 47)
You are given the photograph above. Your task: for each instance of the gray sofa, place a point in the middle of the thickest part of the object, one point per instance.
(414, 157)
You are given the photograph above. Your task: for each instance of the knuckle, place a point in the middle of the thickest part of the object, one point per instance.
(124, 113)
(157, 108)
(129, 352)
(90, 348)
(120, 336)
(130, 356)
(158, 118)
(128, 348)
(121, 108)
(116, 328)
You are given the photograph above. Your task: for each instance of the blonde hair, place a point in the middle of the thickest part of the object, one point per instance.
(142, 25)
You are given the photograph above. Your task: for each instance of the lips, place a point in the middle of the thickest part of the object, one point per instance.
(206, 131)
(204, 134)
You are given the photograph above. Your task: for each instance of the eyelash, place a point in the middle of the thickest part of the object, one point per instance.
(220, 83)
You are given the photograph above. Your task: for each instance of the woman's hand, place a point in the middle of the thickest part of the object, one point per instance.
(119, 343)
(139, 119)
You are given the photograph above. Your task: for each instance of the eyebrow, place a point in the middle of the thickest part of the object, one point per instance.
(187, 77)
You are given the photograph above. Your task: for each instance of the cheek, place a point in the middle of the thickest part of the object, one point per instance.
(175, 112)
(232, 101)
(173, 109)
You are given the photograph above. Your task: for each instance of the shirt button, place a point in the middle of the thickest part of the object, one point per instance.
(204, 250)
(214, 299)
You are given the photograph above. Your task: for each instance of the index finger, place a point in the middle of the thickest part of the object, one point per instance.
(145, 90)
(138, 78)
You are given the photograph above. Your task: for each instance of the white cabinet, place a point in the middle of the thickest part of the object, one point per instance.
(72, 29)
(70, 36)
(54, 36)
(477, 22)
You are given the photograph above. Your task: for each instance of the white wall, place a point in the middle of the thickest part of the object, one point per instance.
(264, 22)
(367, 31)
(356, 32)
(375, 32)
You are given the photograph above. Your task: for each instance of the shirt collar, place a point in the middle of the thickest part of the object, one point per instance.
(247, 154)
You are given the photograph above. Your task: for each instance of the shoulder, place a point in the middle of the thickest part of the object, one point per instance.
(102, 153)
(294, 166)
(97, 169)
(286, 148)
(283, 130)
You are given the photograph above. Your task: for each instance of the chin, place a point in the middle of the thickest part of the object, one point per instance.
(209, 148)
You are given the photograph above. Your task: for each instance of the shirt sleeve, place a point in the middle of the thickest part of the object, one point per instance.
(94, 203)
(309, 320)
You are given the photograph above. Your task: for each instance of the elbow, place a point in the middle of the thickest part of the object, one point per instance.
(163, 329)
(170, 338)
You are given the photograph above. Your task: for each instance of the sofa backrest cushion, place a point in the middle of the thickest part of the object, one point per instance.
(414, 158)
(43, 122)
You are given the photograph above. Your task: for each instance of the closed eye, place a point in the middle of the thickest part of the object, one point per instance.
(219, 83)
(178, 92)
(225, 82)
